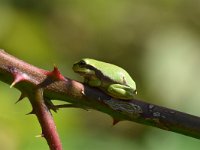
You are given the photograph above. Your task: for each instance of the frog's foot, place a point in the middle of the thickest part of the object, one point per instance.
(121, 91)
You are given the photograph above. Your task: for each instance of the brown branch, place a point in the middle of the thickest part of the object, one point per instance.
(87, 97)
(45, 118)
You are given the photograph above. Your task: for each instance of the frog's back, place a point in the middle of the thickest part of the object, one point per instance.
(113, 73)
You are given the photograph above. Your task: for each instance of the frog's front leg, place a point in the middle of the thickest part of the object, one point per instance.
(121, 91)
(92, 82)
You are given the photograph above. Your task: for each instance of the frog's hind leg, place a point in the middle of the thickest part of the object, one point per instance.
(120, 91)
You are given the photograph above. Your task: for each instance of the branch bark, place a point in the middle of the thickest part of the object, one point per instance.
(87, 97)
(45, 118)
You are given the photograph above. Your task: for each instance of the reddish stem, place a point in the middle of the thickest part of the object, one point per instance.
(87, 97)
(46, 120)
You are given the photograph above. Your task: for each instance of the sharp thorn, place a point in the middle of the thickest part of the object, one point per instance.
(115, 121)
(31, 113)
(18, 77)
(18, 101)
(39, 136)
(55, 74)
(82, 92)
(12, 84)
(136, 92)
(50, 105)
(16, 80)
(22, 96)
(54, 109)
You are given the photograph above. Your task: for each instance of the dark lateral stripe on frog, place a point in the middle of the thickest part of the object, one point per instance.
(99, 74)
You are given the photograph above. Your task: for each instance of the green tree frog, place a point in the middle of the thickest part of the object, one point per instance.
(109, 78)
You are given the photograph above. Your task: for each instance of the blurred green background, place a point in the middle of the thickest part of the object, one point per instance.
(157, 42)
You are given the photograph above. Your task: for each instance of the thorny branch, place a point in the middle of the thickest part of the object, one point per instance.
(55, 86)
(45, 118)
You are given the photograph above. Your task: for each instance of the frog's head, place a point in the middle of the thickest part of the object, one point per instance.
(83, 67)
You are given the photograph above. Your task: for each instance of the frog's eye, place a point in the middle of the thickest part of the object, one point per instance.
(82, 63)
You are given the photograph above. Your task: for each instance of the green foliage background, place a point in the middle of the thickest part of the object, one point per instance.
(156, 41)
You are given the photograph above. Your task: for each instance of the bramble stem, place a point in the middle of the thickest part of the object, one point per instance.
(45, 118)
(87, 97)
